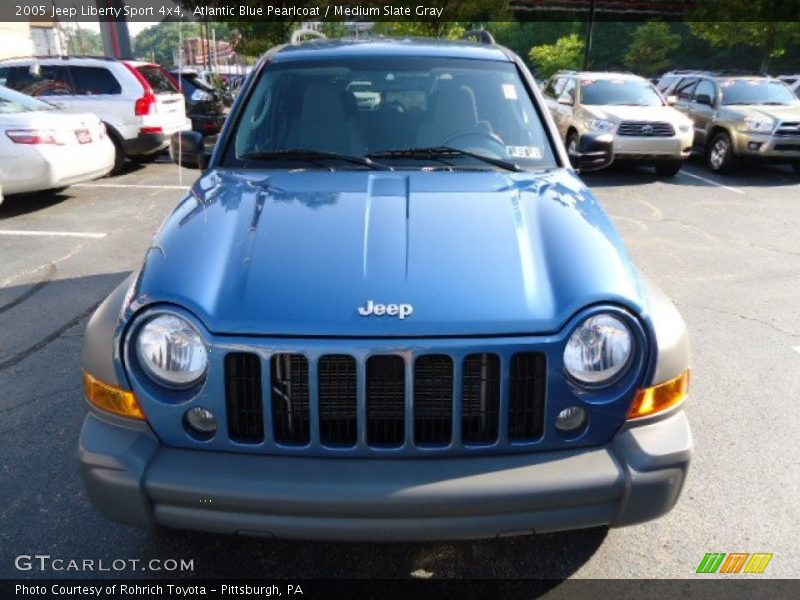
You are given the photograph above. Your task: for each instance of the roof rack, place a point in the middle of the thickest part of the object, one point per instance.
(299, 34)
(481, 35)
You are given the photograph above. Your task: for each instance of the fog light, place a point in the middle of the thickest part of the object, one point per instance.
(753, 145)
(201, 421)
(570, 419)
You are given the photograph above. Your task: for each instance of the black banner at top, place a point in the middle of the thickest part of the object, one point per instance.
(468, 11)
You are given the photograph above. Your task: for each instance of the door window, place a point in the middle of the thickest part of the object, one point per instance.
(91, 81)
(50, 80)
(707, 88)
(685, 89)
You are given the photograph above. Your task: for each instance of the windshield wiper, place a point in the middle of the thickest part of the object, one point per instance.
(440, 152)
(314, 156)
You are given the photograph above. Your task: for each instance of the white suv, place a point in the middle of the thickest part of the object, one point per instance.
(137, 101)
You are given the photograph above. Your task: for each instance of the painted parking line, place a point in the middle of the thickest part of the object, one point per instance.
(711, 181)
(77, 234)
(139, 186)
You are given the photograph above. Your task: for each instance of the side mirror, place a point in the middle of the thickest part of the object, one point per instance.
(672, 99)
(565, 99)
(595, 151)
(703, 99)
(187, 148)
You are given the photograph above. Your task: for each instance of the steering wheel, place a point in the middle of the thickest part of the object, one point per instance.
(478, 141)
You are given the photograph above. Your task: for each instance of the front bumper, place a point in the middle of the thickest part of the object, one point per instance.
(766, 146)
(677, 147)
(132, 478)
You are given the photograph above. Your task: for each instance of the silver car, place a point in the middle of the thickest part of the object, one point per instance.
(644, 128)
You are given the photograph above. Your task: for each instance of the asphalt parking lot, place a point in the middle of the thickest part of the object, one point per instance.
(726, 250)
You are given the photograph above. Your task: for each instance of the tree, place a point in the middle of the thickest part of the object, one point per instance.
(652, 49)
(767, 26)
(566, 53)
(159, 41)
(83, 41)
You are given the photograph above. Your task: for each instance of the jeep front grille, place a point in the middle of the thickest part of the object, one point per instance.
(386, 395)
(337, 400)
(387, 401)
(290, 398)
(243, 397)
(645, 129)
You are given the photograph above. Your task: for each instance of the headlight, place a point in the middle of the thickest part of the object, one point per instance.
(758, 125)
(599, 125)
(171, 351)
(685, 127)
(598, 350)
(201, 96)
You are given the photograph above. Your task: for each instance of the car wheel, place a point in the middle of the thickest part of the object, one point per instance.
(572, 142)
(668, 168)
(719, 154)
(119, 157)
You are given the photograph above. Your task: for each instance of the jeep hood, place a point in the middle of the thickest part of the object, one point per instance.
(474, 253)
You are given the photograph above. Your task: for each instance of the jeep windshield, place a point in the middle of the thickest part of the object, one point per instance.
(619, 92)
(756, 91)
(401, 112)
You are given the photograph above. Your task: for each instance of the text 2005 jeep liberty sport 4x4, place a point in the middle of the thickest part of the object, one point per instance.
(405, 318)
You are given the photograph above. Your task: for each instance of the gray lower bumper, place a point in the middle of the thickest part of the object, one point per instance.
(132, 478)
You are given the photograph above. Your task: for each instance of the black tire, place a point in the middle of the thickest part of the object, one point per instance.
(572, 142)
(668, 168)
(719, 153)
(143, 159)
(119, 157)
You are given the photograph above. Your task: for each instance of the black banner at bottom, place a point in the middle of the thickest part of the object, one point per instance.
(410, 589)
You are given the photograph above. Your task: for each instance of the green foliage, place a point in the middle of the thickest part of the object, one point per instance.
(159, 41)
(566, 53)
(83, 41)
(444, 29)
(652, 49)
(520, 37)
(771, 39)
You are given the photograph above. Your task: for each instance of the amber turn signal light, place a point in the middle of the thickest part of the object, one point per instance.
(652, 400)
(112, 399)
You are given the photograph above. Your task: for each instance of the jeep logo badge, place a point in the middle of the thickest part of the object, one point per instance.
(400, 311)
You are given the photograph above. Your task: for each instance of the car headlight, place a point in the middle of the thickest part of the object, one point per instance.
(599, 125)
(758, 125)
(171, 352)
(598, 350)
(201, 96)
(685, 127)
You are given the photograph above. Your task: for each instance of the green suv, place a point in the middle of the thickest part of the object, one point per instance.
(740, 117)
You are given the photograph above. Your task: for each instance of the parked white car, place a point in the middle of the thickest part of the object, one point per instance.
(42, 148)
(137, 101)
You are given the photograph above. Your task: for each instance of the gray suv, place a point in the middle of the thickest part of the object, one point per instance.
(740, 117)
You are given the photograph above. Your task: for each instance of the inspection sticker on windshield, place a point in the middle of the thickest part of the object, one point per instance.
(525, 151)
(509, 91)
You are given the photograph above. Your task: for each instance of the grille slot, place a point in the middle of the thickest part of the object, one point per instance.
(788, 129)
(433, 400)
(480, 410)
(645, 129)
(243, 397)
(526, 397)
(290, 398)
(386, 389)
(337, 400)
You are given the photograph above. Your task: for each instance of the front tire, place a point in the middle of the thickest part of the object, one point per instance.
(719, 154)
(668, 168)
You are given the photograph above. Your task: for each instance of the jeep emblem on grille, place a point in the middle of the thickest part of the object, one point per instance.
(400, 311)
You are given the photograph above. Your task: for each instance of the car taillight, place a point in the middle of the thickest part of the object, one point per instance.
(34, 136)
(144, 104)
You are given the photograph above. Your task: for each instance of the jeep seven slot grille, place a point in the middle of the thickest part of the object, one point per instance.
(646, 129)
(452, 399)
